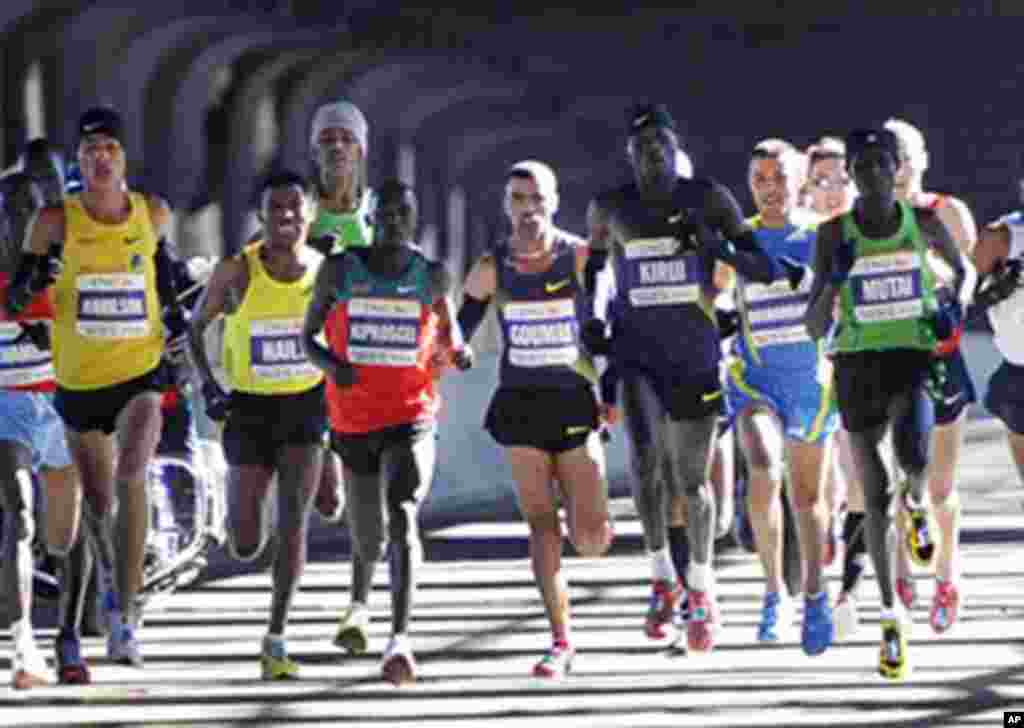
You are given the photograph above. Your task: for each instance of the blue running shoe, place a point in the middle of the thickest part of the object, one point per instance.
(776, 618)
(818, 630)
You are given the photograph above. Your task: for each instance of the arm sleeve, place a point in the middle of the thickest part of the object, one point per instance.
(471, 313)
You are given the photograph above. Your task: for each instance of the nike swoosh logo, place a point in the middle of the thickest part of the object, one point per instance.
(641, 120)
(406, 289)
(950, 401)
(576, 430)
(711, 395)
(675, 218)
(555, 287)
(92, 127)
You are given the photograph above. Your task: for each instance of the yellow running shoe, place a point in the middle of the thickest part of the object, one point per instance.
(920, 532)
(353, 630)
(275, 663)
(892, 654)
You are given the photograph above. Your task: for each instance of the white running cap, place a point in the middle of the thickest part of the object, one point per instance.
(341, 115)
(541, 173)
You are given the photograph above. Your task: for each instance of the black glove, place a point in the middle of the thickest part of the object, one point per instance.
(218, 402)
(999, 284)
(594, 338)
(50, 267)
(948, 318)
(463, 358)
(324, 244)
(794, 270)
(688, 230)
(176, 321)
(728, 322)
(343, 374)
(38, 333)
(35, 273)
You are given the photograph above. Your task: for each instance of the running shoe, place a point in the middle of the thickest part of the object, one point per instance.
(818, 630)
(28, 668)
(275, 664)
(353, 630)
(72, 669)
(399, 666)
(919, 532)
(845, 617)
(556, 663)
(123, 645)
(776, 618)
(665, 595)
(703, 623)
(945, 606)
(892, 654)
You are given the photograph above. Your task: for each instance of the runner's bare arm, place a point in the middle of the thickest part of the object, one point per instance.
(942, 242)
(993, 246)
(450, 337)
(229, 277)
(818, 317)
(328, 281)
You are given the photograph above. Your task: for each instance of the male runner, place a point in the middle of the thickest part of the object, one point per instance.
(873, 260)
(783, 412)
(951, 401)
(386, 311)
(665, 234)
(275, 413)
(108, 345)
(544, 413)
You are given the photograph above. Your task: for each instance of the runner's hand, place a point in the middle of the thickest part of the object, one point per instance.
(218, 402)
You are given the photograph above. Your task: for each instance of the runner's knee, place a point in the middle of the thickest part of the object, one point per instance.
(244, 550)
(592, 541)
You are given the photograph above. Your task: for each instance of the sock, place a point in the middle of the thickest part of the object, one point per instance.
(21, 635)
(560, 634)
(274, 644)
(679, 545)
(855, 557)
(661, 565)
(700, 577)
(887, 613)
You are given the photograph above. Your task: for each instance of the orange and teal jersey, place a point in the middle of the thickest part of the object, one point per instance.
(387, 329)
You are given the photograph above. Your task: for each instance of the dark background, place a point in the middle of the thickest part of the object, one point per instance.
(218, 92)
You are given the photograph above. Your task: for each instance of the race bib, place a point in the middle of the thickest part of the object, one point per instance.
(656, 276)
(112, 306)
(776, 312)
(384, 331)
(21, 364)
(887, 287)
(276, 352)
(541, 334)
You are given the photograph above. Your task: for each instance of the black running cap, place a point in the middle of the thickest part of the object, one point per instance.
(859, 140)
(101, 120)
(645, 115)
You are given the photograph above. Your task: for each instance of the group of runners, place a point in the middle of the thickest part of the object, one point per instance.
(811, 331)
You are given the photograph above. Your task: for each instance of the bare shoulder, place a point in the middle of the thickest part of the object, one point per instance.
(929, 221)
(159, 210)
